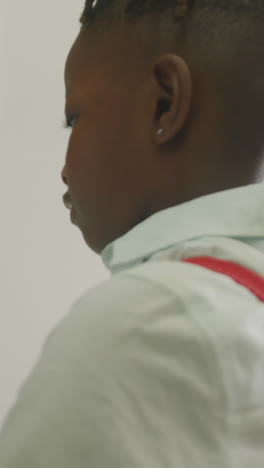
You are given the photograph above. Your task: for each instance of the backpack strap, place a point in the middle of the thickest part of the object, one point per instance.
(239, 273)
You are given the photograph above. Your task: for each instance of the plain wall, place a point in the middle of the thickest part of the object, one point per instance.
(45, 263)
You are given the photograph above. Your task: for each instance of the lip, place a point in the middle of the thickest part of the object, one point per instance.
(67, 201)
(73, 218)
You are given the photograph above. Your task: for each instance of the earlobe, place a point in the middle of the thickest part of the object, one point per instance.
(173, 97)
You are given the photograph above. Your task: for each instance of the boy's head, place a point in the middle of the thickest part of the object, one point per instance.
(194, 69)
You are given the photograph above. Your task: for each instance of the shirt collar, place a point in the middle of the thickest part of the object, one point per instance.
(236, 212)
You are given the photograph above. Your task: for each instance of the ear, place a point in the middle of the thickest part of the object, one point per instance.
(173, 95)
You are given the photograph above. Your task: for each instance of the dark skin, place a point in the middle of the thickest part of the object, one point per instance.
(122, 88)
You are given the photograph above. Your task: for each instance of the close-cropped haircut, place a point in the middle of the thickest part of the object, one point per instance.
(223, 36)
(229, 32)
(224, 12)
(226, 32)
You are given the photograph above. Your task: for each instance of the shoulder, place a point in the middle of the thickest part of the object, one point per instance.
(155, 300)
(158, 290)
(208, 298)
(134, 292)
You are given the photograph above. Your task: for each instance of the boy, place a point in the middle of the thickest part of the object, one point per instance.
(162, 365)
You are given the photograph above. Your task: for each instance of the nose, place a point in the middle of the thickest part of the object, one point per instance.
(63, 176)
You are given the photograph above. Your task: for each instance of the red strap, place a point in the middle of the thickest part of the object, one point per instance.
(239, 273)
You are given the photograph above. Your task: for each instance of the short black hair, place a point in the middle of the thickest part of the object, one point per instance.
(132, 10)
(226, 35)
(227, 11)
(230, 30)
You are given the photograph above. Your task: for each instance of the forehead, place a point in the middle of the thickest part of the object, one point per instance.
(68, 63)
(104, 51)
(67, 82)
(73, 65)
(84, 61)
(82, 56)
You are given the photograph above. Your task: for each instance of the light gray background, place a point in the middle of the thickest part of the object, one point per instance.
(45, 264)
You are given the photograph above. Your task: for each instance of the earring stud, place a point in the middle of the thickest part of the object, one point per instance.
(160, 131)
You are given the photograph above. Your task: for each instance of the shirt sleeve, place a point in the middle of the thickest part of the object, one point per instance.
(126, 380)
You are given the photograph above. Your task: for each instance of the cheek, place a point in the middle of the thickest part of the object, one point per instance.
(104, 143)
(105, 160)
(107, 174)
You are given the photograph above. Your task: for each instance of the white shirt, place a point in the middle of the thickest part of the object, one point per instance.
(162, 365)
